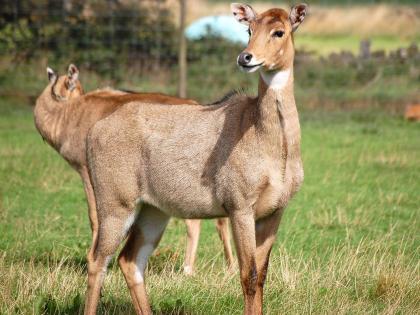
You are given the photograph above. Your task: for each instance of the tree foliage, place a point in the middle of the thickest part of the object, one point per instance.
(96, 32)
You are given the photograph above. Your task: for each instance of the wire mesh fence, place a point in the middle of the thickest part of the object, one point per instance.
(116, 39)
(99, 33)
(120, 39)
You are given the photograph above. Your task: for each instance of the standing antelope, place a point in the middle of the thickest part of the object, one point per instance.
(64, 115)
(239, 158)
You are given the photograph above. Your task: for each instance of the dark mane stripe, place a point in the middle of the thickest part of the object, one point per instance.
(227, 96)
(129, 91)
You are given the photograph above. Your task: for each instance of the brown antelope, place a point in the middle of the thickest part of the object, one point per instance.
(239, 158)
(64, 115)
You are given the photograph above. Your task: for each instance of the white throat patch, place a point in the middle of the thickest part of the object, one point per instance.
(276, 79)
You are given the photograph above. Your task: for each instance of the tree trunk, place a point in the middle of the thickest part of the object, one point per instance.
(182, 55)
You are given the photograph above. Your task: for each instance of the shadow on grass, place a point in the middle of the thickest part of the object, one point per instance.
(162, 259)
(171, 307)
(50, 306)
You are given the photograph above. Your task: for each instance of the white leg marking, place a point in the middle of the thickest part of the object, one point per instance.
(141, 261)
(105, 267)
(151, 227)
(188, 270)
(107, 261)
(129, 222)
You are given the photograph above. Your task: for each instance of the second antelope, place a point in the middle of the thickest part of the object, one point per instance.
(239, 158)
(63, 116)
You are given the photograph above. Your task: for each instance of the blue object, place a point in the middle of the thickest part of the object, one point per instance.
(224, 26)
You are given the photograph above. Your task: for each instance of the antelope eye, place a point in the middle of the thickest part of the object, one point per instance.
(249, 32)
(278, 34)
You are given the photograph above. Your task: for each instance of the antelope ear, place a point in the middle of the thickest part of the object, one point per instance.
(243, 13)
(297, 15)
(72, 76)
(52, 76)
(73, 73)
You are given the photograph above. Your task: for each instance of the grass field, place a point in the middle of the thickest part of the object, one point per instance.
(348, 244)
(323, 45)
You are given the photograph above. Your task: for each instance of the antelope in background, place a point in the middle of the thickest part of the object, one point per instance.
(64, 115)
(412, 112)
(239, 158)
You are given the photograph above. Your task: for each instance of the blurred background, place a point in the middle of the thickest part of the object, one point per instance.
(349, 53)
(349, 242)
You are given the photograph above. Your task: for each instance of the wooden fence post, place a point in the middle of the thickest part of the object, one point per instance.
(182, 54)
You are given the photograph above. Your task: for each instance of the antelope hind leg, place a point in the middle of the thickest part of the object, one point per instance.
(112, 231)
(144, 236)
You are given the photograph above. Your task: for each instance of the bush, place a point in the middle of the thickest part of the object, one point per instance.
(96, 33)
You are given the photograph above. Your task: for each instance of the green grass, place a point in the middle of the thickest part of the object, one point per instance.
(388, 84)
(348, 242)
(323, 45)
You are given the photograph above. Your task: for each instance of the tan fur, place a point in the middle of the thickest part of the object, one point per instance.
(64, 116)
(65, 124)
(274, 19)
(239, 159)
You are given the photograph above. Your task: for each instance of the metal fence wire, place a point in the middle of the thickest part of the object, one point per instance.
(143, 33)
(140, 38)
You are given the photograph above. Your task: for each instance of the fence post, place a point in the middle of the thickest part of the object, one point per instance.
(182, 54)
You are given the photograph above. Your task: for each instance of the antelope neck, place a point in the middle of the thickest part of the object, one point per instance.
(49, 118)
(276, 91)
(277, 114)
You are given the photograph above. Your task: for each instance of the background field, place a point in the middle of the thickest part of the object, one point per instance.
(135, 46)
(349, 242)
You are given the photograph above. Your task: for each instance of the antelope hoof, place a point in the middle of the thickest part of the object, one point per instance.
(188, 271)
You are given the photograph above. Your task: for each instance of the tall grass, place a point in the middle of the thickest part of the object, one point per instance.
(348, 242)
(358, 279)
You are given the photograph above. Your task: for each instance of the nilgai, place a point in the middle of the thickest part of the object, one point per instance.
(239, 158)
(64, 115)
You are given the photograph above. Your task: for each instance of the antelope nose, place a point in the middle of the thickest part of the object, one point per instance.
(244, 59)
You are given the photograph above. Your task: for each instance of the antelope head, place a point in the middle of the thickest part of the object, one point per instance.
(270, 45)
(65, 87)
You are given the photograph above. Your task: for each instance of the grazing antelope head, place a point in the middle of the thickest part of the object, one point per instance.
(412, 112)
(65, 87)
(270, 45)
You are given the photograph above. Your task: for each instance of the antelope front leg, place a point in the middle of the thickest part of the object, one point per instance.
(266, 230)
(222, 226)
(193, 235)
(243, 228)
(93, 215)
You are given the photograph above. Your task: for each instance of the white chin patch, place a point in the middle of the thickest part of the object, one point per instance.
(276, 79)
(250, 69)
